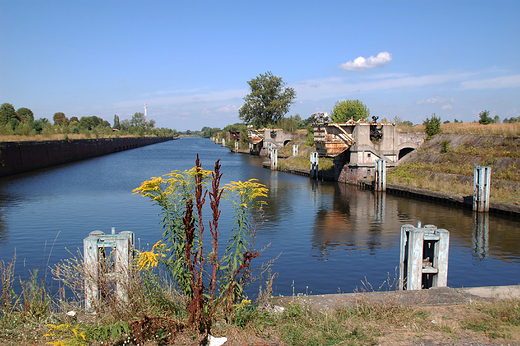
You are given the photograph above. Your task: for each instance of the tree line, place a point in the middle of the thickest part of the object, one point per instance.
(22, 122)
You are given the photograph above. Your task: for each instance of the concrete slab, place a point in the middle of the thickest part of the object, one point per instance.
(432, 296)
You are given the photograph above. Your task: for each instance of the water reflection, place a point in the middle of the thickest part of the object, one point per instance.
(354, 220)
(480, 239)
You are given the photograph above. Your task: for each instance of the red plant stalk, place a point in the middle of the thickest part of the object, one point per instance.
(214, 197)
(246, 261)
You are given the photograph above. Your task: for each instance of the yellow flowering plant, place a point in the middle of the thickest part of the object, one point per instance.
(181, 196)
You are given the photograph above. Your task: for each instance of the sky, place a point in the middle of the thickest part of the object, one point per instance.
(190, 61)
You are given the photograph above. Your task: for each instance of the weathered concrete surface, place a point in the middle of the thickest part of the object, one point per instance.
(432, 296)
(19, 157)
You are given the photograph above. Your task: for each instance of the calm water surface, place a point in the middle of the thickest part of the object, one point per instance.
(329, 237)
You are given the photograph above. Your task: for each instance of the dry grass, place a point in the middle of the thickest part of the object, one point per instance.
(507, 130)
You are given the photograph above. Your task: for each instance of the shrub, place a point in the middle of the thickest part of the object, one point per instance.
(432, 125)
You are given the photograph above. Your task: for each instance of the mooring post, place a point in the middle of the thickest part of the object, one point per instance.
(314, 165)
(380, 177)
(295, 149)
(481, 188)
(95, 263)
(274, 159)
(223, 142)
(423, 257)
(236, 146)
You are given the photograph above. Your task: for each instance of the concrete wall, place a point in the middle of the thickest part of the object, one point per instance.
(19, 157)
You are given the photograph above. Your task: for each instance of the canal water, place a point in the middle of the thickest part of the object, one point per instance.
(327, 237)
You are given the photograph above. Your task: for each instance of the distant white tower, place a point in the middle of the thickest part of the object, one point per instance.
(145, 108)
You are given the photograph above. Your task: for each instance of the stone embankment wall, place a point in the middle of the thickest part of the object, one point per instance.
(19, 157)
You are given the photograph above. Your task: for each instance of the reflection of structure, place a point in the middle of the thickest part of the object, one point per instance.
(260, 139)
(356, 145)
(480, 235)
(354, 220)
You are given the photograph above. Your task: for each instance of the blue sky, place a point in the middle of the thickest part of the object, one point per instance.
(190, 60)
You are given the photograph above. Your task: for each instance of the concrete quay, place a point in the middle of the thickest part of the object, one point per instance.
(430, 297)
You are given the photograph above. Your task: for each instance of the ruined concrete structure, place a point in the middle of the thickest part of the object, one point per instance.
(260, 139)
(357, 145)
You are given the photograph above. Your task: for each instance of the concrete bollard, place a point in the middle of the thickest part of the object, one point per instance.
(223, 142)
(481, 188)
(274, 159)
(236, 146)
(114, 268)
(423, 257)
(314, 165)
(294, 150)
(380, 178)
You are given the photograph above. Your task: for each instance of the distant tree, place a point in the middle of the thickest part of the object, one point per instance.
(60, 119)
(7, 113)
(117, 125)
(137, 119)
(485, 118)
(74, 120)
(446, 122)
(496, 119)
(88, 123)
(268, 101)
(125, 124)
(39, 124)
(151, 123)
(105, 123)
(432, 125)
(407, 123)
(345, 110)
(25, 114)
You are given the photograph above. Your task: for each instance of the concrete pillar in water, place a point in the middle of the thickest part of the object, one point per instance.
(236, 146)
(113, 267)
(314, 165)
(274, 159)
(423, 257)
(481, 188)
(294, 150)
(380, 178)
(223, 142)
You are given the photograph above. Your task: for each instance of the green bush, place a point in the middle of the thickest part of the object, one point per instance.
(433, 125)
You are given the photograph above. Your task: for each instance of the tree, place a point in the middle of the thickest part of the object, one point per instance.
(137, 119)
(117, 125)
(496, 119)
(60, 119)
(485, 118)
(25, 114)
(432, 125)
(88, 123)
(268, 101)
(74, 119)
(345, 110)
(7, 113)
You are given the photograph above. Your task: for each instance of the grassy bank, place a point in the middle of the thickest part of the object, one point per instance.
(156, 315)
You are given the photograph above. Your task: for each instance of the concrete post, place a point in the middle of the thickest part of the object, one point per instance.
(314, 165)
(236, 146)
(380, 178)
(94, 253)
(294, 150)
(223, 142)
(423, 257)
(274, 159)
(481, 188)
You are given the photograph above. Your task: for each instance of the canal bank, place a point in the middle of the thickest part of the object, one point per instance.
(430, 297)
(20, 157)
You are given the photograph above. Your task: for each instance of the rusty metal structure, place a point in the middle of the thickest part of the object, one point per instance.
(357, 145)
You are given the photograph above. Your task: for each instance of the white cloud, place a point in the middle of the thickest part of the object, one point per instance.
(512, 81)
(361, 63)
(446, 107)
(434, 100)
